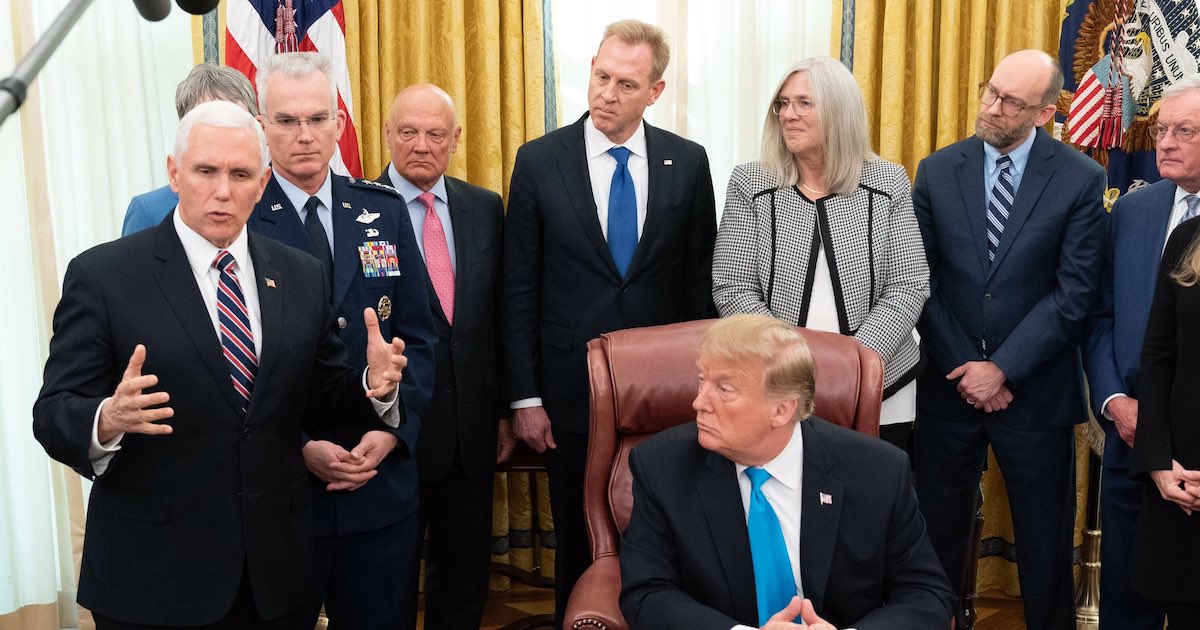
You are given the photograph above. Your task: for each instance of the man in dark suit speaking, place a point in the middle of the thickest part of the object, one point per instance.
(185, 360)
(610, 225)
(1013, 225)
(760, 514)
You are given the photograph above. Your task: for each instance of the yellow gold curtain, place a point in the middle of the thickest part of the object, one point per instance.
(918, 64)
(488, 55)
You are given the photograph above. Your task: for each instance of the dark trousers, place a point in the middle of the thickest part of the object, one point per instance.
(242, 615)
(1120, 607)
(364, 579)
(1039, 473)
(458, 513)
(572, 555)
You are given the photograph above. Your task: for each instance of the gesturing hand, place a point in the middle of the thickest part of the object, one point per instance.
(385, 361)
(127, 411)
(786, 618)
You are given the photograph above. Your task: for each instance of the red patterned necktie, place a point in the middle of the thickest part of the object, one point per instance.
(437, 257)
(237, 340)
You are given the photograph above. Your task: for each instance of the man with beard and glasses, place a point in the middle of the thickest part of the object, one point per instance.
(1013, 224)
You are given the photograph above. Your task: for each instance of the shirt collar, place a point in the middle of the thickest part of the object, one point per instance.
(201, 253)
(1019, 155)
(596, 143)
(1180, 193)
(410, 191)
(299, 197)
(788, 466)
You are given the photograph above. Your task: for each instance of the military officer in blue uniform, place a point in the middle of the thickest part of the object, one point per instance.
(365, 487)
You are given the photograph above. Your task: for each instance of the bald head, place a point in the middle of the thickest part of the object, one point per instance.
(1042, 77)
(422, 133)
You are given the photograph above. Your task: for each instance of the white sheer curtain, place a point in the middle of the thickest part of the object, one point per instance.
(725, 59)
(94, 131)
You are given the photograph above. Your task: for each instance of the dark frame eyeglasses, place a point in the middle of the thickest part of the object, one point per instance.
(1010, 106)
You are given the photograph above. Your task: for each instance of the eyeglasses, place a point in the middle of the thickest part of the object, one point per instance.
(1182, 134)
(800, 106)
(1008, 105)
(292, 124)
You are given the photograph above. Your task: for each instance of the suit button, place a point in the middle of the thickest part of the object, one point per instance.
(987, 297)
(449, 389)
(341, 323)
(453, 341)
(247, 433)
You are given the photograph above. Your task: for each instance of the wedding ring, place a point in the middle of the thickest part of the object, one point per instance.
(970, 401)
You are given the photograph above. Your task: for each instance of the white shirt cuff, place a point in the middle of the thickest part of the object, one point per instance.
(526, 403)
(386, 408)
(1104, 407)
(101, 454)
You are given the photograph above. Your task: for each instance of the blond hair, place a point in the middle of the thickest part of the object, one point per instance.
(762, 340)
(633, 32)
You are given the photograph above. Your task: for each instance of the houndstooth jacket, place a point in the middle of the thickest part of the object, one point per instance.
(768, 235)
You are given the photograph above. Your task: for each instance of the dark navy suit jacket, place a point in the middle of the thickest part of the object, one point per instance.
(393, 493)
(865, 560)
(175, 519)
(1137, 231)
(561, 287)
(1027, 309)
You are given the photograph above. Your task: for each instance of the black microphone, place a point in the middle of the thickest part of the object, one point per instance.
(197, 7)
(153, 10)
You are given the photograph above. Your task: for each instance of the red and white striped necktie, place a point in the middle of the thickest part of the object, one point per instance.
(237, 339)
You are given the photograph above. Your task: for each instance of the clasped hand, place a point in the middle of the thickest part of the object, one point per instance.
(802, 608)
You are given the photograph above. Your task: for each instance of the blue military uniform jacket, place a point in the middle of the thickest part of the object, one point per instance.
(370, 227)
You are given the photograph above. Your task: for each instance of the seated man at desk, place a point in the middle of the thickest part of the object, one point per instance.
(760, 514)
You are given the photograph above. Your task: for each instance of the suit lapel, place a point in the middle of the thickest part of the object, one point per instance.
(1038, 171)
(347, 236)
(1154, 224)
(177, 283)
(572, 164)
(270, 306)
(820, 513)
(464, 243)
(970, 184)
(275, 217)
(658, 197)
(722, 501)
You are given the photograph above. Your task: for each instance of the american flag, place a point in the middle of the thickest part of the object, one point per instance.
(258, 28)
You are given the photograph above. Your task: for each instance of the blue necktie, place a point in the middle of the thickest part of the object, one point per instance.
(622, 212)
(1000, 203)
(1193, 207)
(774, 584)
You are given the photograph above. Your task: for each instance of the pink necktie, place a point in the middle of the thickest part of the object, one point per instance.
(437, 257)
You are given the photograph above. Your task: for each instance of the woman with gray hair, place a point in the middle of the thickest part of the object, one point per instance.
(820, 232)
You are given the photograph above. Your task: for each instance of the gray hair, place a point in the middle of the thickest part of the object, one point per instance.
(839, 106)
(1188, 83)
(225, 115)
(296, 65)
(210, 82)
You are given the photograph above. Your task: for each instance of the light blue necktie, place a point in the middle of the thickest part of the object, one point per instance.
(1000, 203)
(622, 212)
(774, 584)
(1193, 207)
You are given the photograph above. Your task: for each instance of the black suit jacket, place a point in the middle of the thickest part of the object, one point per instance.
(461, 417)
(174, 518)
(561, 287)
(865, 560)
(1026, 310)
(392, 494)
(1166, 547)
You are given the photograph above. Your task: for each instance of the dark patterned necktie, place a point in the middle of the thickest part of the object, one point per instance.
(1000, 203)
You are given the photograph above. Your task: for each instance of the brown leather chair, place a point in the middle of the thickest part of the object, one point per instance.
(643, 380)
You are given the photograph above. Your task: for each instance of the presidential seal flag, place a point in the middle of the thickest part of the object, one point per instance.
(256, 29)
(1117, 56)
